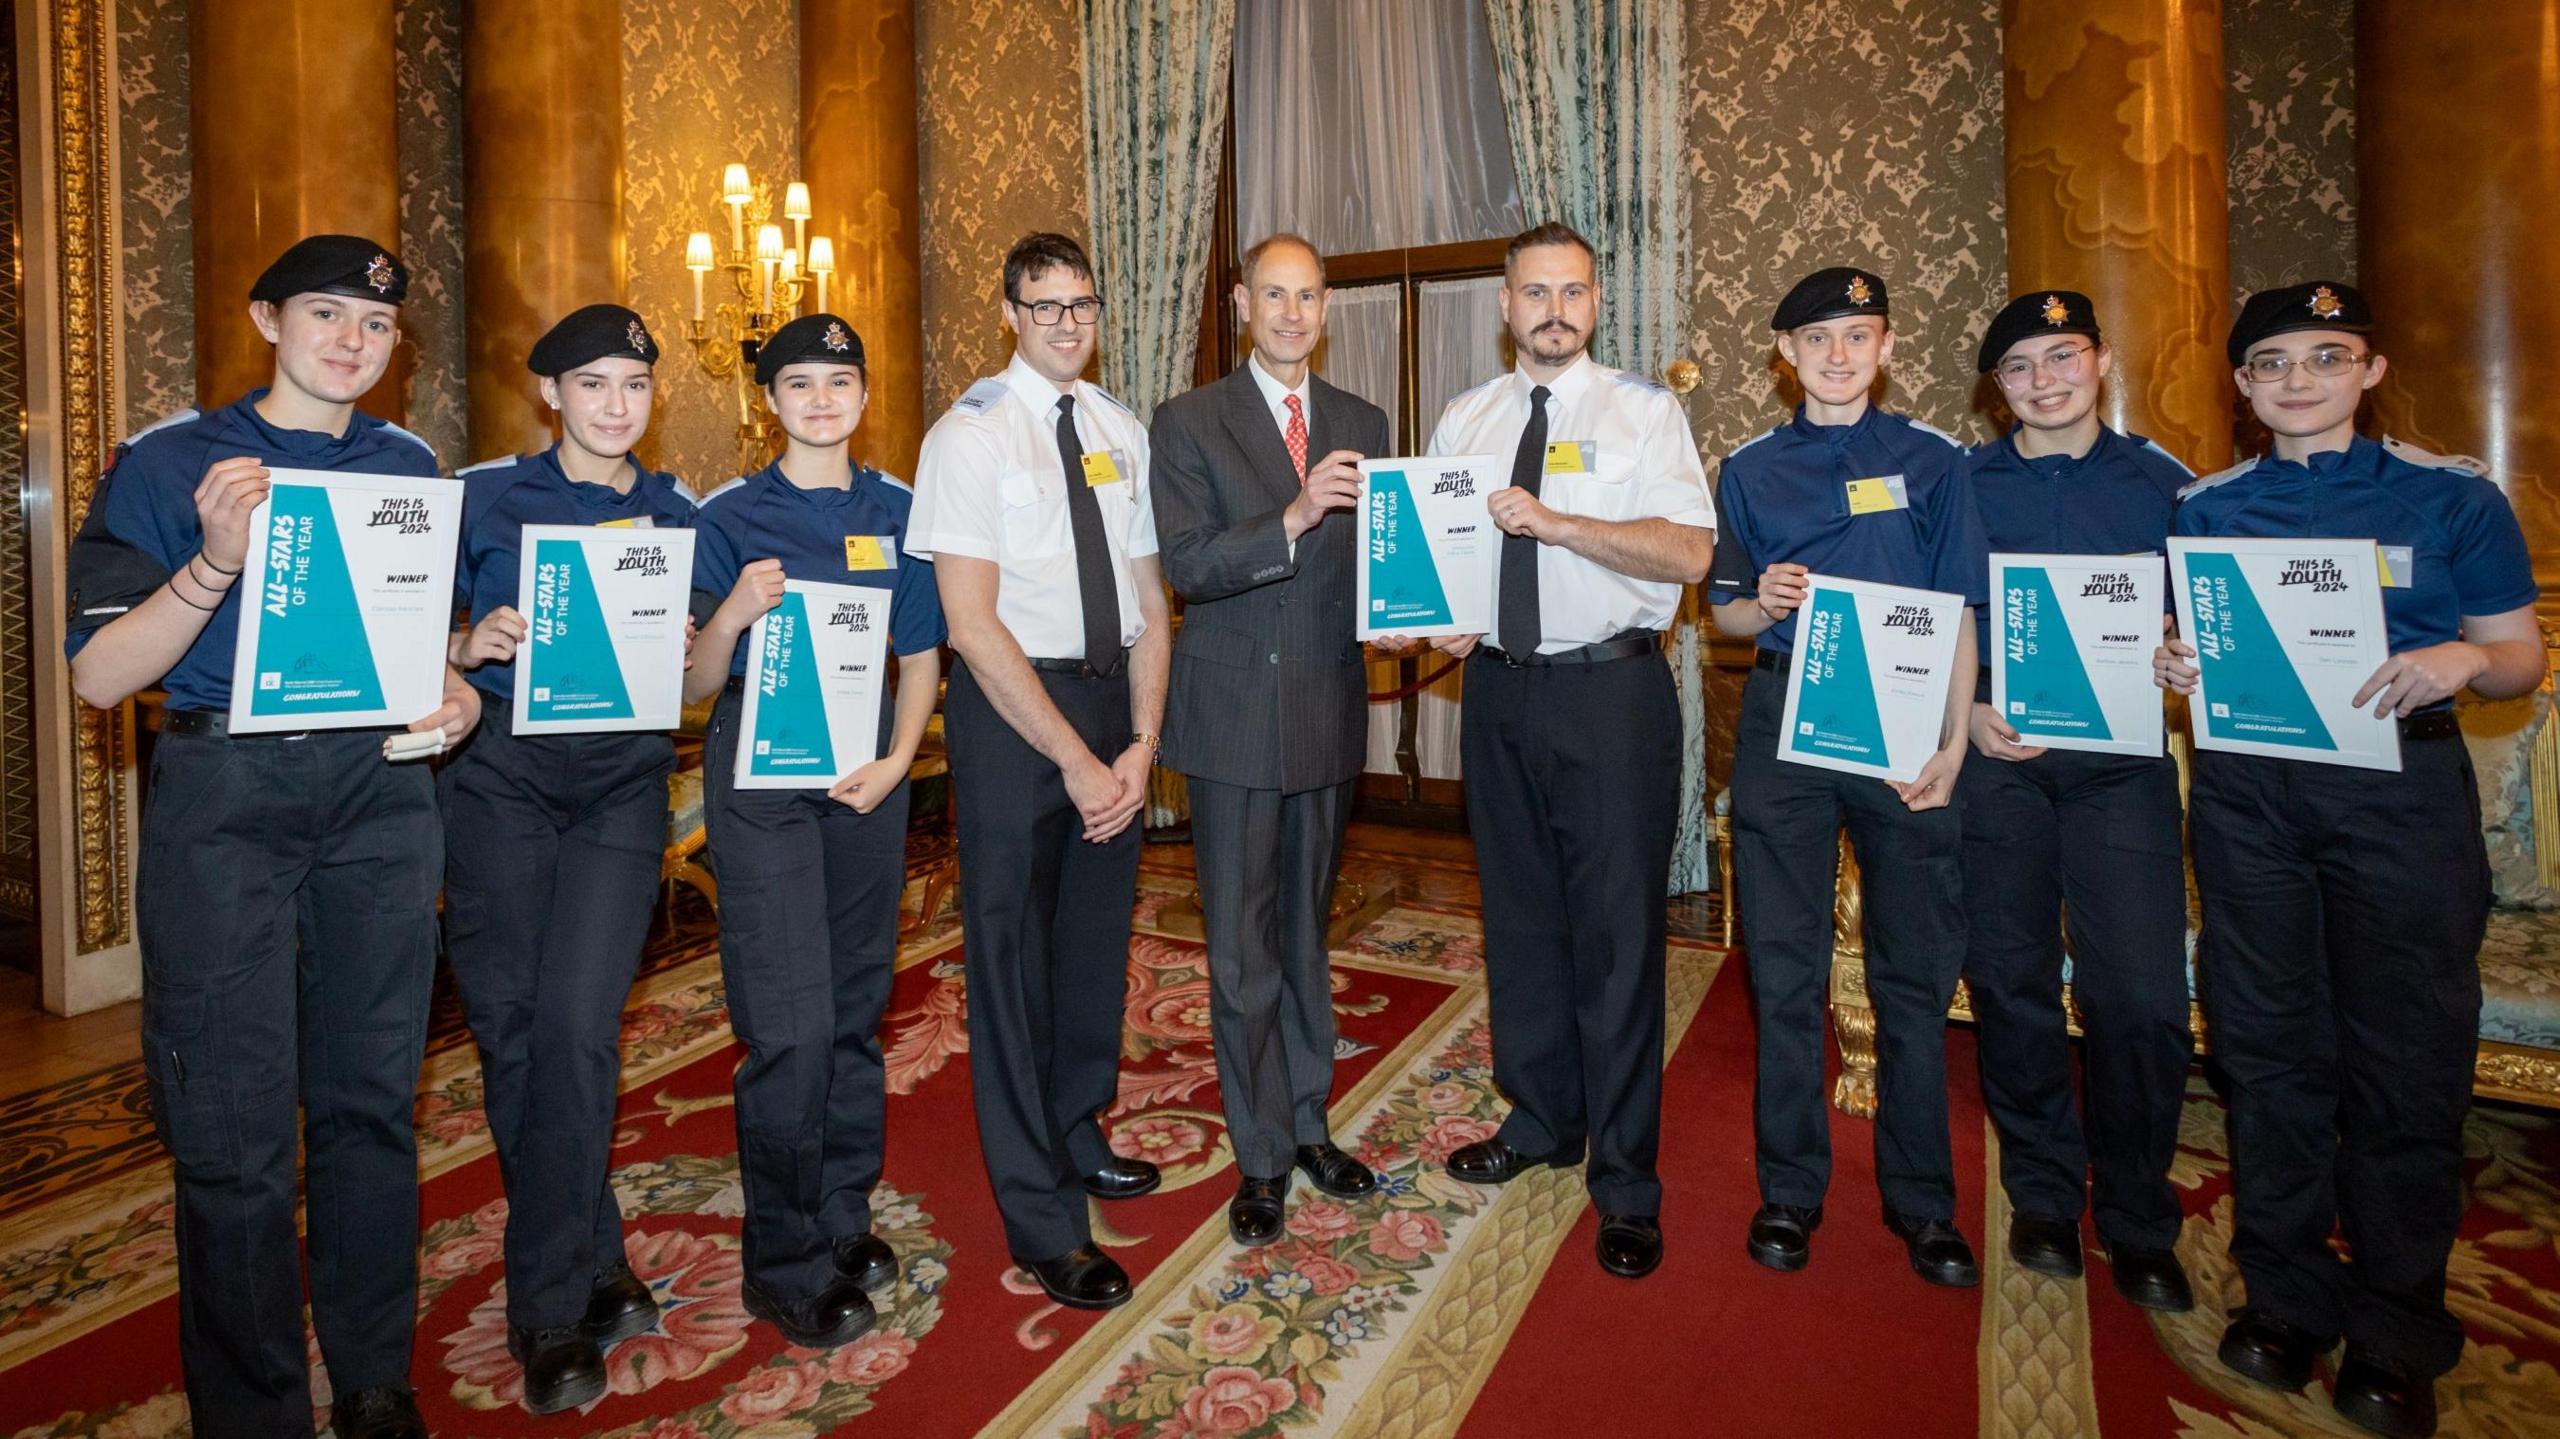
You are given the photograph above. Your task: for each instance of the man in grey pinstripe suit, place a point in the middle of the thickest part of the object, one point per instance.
(1254, 482)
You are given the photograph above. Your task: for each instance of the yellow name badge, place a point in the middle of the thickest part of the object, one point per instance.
(1878, 495)
(1101, 467)
(1572, 457)
(636, 522)
(2397, 563)
(864, 552)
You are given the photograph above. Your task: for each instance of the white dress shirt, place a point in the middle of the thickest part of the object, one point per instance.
(1276, 395)
(990, 485)
(1645, 466)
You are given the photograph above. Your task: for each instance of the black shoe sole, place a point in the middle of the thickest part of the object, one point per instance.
(2379, 1419)
(2155, 1300)
(1769, 1256)
(1361, 1192)
(2260, 1371)
(1550, 1161)
(629, 1324)
(1076, 1302)
(1240, 1237)
(1111, 1196)
(2050, 1266)
(1946, 1278)
(568, 1396)
(854, 1327)
(1636, 1272)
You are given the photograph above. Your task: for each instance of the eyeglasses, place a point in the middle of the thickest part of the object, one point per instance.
(2062, 364)
(2326, 362)
(1050, 312)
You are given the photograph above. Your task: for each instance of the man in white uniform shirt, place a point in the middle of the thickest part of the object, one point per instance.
(1570, 739)
(1031, 502)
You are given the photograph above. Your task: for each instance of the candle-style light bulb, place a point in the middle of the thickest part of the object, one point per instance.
(735, 191)
(697, 258)
(768, 259)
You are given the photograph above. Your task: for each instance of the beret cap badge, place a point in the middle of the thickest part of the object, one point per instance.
(2324, 302)
(2055, 312)
(1859, 294)
(639, 337)
(836, 339)
(379, 275)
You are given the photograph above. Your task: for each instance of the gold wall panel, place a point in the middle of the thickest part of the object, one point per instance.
(858, 145)
(427, 69)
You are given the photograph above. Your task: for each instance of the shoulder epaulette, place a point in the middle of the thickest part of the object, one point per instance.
(1641, 382)
(2148, 443)
(2427, 460)
(892, 481)
(406, 435)
(1770, 433)
(164, 423)
(500, 463)
(1112, 400)
(722, 490)
(981, 397)
(1926, 428)
(2216, 478)
(680, 490)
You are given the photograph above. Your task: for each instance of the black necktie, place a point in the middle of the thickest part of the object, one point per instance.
(1517, 612)
(1094, 586)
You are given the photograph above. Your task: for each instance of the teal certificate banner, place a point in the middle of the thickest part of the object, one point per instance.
(813, 687)
(1428, 546)
(604, 612)
(346, 601)
(2286, 632)
(2071, 643)
(1867, 689)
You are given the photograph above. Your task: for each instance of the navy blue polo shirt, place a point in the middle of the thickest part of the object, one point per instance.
(766, 517)
(2115, 500)
(501, 497)
(2466, 552)
(142, 523)
(1784, 498)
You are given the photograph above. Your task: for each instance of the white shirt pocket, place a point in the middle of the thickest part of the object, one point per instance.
(1035, 513)
(1599, 493)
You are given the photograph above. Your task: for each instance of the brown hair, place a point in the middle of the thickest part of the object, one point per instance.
(1036, 254)
(1553, 232)
(1263, 246)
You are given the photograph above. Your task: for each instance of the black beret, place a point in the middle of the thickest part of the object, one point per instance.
(2033, 316)
(2311, 305)
(334, 265)
(592, 333)
(820, 339)
(1830, 294)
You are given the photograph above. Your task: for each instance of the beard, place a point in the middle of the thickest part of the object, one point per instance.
(1553, 343)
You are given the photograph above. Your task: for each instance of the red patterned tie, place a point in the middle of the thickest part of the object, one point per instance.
(1296, 435)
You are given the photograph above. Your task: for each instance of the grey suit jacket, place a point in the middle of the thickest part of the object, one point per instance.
(1267, 688)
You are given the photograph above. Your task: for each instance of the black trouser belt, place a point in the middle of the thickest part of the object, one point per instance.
(1770, 660)
(1617, 647)
(218, 724)
(1118, 662)
(2434, 724)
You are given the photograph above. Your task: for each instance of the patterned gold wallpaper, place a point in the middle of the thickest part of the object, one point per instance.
(427, 68)
(704, 83)
(1835, 132)
(155, 217)
(2292, 117)
(1002, 141)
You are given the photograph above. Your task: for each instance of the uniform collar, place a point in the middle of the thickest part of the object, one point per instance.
(314, 445)
(2361, 459)
(829, 498)
(2054, 465)
(1035, 391)
(1565, 388)
(594, 497)
(1835, 435)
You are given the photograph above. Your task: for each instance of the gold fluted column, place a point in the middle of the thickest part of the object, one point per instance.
(2458, 139)
(542, 184)
(295, 134)
(2118, 175)
(858, 153)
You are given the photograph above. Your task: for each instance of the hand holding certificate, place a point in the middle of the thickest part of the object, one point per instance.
(604, 613)
(1867, 692)
(345, 602)
(1428, 547)
(2071, 642)
(814, 684)
(2285, 633)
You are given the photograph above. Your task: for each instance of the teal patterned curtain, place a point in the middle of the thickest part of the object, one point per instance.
(1155, 116)
(1592, 91)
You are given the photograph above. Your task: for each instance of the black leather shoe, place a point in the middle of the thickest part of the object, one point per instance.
(1938, 1253)
(2048, 1246)
(1782, 1235)
(2267, 1349)
(2152, 1278)
(1630, 1245)
(620, 1306)
(1083, 1278)
(867, 1260)
(1254, 1215)
(2375, 1394)
(1123, 1179)
(1490, 1161)
(562, 1367)
(837, 1314)
(384, 1411)
(1335, 1172)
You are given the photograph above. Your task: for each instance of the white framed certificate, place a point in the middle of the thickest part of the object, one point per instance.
(814, 683)
(2286, 632)
(1429, 549)
(346, 602)
(1867, 691)
(604, 611)
(2071, 643)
